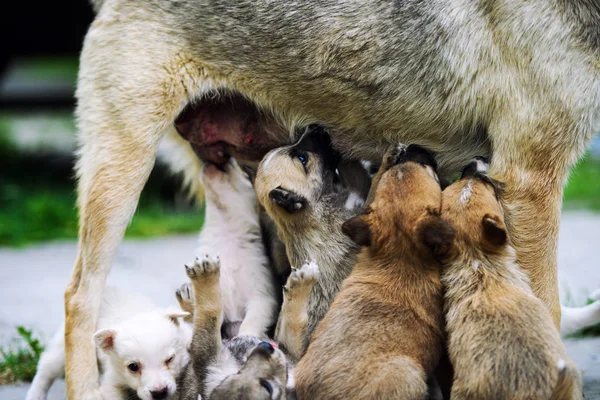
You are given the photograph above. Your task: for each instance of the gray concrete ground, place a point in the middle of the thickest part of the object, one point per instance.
(32, 281)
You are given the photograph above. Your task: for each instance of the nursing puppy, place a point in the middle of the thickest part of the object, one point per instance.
(142, 350)
(382, 336)
(301, 191)
(502, 341)
(244, 367)
(233, 232)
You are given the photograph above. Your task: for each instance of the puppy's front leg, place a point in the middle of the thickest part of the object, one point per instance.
(206, 339)
(290, 333)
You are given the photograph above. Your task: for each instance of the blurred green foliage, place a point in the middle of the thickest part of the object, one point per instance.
(583, 187)
(37, 199)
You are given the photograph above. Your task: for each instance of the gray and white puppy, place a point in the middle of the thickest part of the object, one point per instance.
(301, 191)
(245, 367)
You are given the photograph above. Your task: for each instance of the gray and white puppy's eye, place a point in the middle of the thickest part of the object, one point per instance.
(303, 157)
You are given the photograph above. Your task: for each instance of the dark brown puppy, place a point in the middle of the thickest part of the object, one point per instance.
(502, 342)
(382, 336)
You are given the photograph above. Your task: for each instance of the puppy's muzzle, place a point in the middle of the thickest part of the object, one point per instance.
(414, 153)
(289, 201)
(477, 166)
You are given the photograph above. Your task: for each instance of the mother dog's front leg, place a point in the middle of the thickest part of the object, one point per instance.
(124, 109)
(533, 160)
(111, 181)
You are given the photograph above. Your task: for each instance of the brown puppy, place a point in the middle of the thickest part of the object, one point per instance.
(502, 341)
(382, 336)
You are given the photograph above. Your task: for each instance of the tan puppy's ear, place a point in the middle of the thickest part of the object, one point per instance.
(358, 230)
(494, 231)
(436, 234)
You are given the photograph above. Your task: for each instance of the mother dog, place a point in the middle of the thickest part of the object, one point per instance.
(518, 81)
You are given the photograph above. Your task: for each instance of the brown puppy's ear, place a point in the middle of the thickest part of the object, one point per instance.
(358, 230)
(494, 231)
(436, 234)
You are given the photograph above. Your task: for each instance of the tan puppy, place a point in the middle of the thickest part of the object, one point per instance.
(382, 336)
(502, 342)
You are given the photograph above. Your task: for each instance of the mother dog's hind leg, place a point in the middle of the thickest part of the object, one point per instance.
(129, 93)
(533, 157)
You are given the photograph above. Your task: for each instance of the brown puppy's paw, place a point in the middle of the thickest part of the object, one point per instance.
(302, 278)
(288, 200)
(204, 269)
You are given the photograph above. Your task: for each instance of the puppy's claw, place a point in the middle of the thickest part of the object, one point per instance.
(190, 271)
(203, 267)
(184, 293)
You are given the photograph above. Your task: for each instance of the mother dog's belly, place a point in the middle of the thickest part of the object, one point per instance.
(230, 125)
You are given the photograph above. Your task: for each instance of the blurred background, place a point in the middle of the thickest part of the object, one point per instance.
(38, 217)
(37, 135)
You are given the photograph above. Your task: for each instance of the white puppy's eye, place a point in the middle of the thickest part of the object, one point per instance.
(168, 360)
(133, 367)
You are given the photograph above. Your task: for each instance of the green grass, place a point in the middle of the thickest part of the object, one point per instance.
(37, 203)
(583, 188)
(37, 198)
(32, 215)
(19, 362)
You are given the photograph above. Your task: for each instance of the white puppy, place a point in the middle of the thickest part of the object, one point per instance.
(141, 350)
(232, 231)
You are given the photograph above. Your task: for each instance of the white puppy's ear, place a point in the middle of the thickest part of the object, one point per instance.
(174, 314)
(105, 339)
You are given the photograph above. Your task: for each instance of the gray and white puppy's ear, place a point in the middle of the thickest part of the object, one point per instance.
(174, 314)
(358, 230)
(316, 140)
(104, 339)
